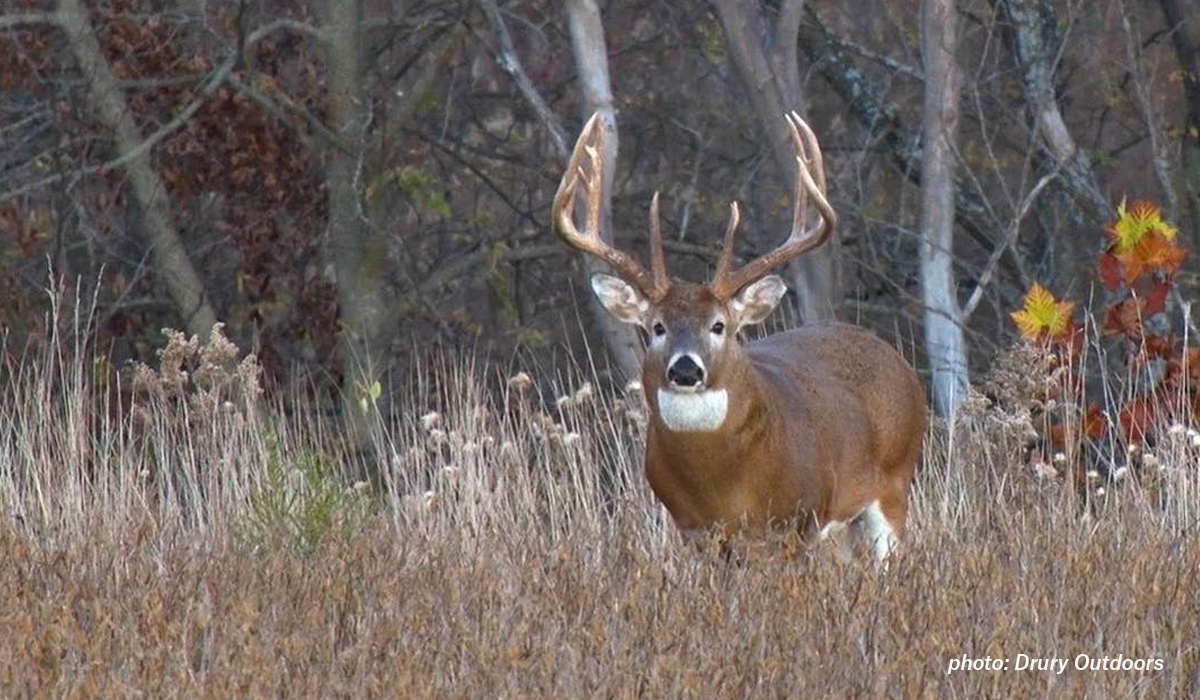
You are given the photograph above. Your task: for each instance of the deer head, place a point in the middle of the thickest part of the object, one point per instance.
(692, 330)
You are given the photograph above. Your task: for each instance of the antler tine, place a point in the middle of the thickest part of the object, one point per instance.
(725, 262)
(658, 259)
(799, 241)
(812, 171)
(810, 148)
(591, 144)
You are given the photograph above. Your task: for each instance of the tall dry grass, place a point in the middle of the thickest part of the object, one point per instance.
(199, 540)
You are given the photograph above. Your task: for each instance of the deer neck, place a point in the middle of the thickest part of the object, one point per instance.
(722, 418)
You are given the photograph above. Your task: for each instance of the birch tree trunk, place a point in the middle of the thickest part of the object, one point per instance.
(591, 59)
(772, 83)
(944, 341)
(172, 266)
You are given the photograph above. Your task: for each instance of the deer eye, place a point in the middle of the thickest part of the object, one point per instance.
(659, 328)
(718, 328)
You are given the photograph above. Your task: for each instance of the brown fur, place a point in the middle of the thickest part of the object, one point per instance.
(822, 421)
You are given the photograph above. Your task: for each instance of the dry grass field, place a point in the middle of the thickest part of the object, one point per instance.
(205, 542)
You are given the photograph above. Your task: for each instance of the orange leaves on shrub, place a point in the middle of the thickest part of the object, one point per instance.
(1043, 316)
(1138, 416)
(1138, 266)
(1094, 421)
(1093, 425)
(1127, 317)
(1141, 245)
(1134, 223)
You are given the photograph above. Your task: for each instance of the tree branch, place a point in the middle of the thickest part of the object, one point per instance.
(288, 111)
(1158, 149)
(17, 19)
(993, 260)
(1036, 60)
(218, 76)
(508, 60)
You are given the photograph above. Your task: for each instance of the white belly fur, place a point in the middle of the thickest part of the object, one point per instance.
(702, 411)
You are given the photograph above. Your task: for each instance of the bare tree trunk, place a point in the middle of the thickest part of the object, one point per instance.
(944, 341)
(359, 253)
(1035, 46)
(591, 58)
(172, 265)
(1184, 40)
(772, 84)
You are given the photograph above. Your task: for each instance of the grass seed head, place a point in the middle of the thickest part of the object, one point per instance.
(431, 420)
(521, 382)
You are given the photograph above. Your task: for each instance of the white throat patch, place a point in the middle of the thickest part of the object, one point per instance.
(698, 412)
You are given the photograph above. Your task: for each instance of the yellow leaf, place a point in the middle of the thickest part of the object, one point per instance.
(1135, 222)
(1042, 314)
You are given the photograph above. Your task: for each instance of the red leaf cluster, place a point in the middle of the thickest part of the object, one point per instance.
(1139, 267)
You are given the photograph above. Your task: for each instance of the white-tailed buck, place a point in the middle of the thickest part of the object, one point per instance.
(821, 425)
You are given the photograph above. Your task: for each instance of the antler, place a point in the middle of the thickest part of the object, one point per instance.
(725, 282)
(591, 143)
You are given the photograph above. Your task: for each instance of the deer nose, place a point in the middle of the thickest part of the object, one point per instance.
(685, 371)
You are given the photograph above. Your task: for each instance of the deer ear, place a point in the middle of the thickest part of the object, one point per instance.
(621, 299)
(756, 302)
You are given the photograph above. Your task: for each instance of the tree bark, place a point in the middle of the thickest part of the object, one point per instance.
(359, 252)
(591, 59)
(1160, 148)
(772, 84)
(172, 266)
(1035, 46)
(944, 341)
(1187, 52)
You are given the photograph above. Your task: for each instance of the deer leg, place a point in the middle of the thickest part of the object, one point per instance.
(880, 529)
(882, 522)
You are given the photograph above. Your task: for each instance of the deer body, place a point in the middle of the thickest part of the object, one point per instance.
(822, 422)
(816, 427)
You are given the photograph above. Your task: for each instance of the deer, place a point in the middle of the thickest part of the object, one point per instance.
(809, 430)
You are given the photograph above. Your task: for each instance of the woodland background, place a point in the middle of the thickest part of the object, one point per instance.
(348, 184)
(359, 191)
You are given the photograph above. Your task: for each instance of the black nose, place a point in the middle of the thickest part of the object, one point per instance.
(685, 372)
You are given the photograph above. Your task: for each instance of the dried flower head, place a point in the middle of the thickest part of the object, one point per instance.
(521, 381)
(217, 360)
(431, 420)
(583, 394)
(1044, 471)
